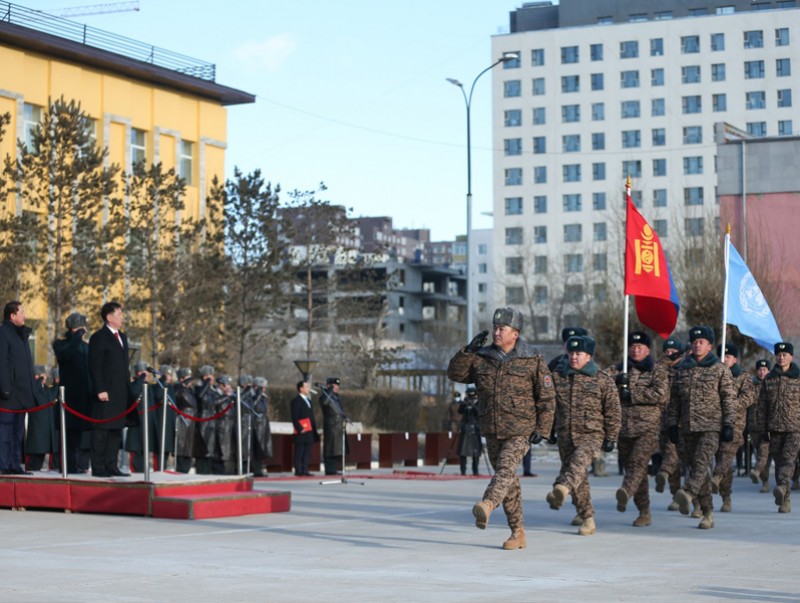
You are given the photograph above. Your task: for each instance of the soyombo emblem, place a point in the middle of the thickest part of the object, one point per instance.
(646, 250)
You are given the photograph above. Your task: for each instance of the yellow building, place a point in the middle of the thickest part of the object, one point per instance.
(148, 103)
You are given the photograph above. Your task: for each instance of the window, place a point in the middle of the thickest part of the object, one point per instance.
(629, 49)
(605, 20)
(514, 265)
(719, 102)
(540, 234)
(570, 83)
(756, 100)
(597, 81)
(718, 72)
(571, 143)
(693, 135)
(600, 292)
(138, 145)
(573, 262)
(569, 54)
(693, 195)
(657, 107)
(690, 44)
(539, 145)
(692, 165)
(572, 233)
(512, 117)
(600, 232)
(691, 104)
(541, 325)
(659, 137)
(540, 174)
(537, 84)
(690, 74)
(31, 118)
(631, 139)
(632, 168)
(483, 249)
(598, 201)
(540, 204)
(660, 226)
(570, 113)
(598, 141)
(572, 172)
(630, 109)
(572, 202)
(753, 70)
(573, 294)
(537, 57)
(782, 36)
(598, 111)
(512, 146)
(596, 52)
(482, 268)
(599, 171)
(540, 263)
(656, 47)
(186, 161)
(698, 12)
(659, 197)
(538, 116)
(757, 128)
(513, 206)
(600, 262)
(694, 227)
(754, 39)
(629, 79)
(636, 198)
(717, 42)
(663, 15)
(515, 296)
(512, 88)
(513, 176)
(783, 67)
(725, 10)
(659, 167)
(657, 77)
(540, 294)
(785, 127)
(638, 17)
(514, 236)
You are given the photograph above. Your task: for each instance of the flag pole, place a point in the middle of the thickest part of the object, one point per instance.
(626, 303)
(727, 255)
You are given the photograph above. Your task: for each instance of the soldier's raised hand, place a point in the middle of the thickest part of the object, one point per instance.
(477, 342)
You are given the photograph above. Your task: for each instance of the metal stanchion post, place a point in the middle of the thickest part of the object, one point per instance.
(239, 429)
(145, 434)
(63, 419)
(164, 407)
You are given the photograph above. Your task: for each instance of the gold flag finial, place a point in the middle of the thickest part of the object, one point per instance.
(728, 229)
(628, 183)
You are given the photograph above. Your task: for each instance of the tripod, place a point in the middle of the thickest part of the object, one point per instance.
(340, 412)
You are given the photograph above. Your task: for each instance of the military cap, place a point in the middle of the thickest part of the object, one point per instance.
(702, 332)
(730, 349)
(784, 346)
(456, 395)
(763, 363)
(225, 379)
(471, 389)
(166, 369)
(75, 321)
(259, 382)
(245, 380)
(184, 373)
(568, 332)
(206, 370)
(640, 337)
(333, 381)
(581, 343)
(674, 344)
(140, 367)
(39, 369)
(508, 316)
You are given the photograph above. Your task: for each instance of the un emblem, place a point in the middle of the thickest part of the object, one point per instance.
(750, 297)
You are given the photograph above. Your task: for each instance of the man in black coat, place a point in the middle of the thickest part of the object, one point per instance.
(16, 386)
(305, 428)
(333, 426)
(110, 375)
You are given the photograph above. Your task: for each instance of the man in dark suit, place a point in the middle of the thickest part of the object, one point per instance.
(16, 386)
(305, 428)
(110, 377)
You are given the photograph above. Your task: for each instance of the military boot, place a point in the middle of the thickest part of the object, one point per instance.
(644, 519)
(587, 528)
(684, 500)
(764, 487)
(697, 512)
(786, 506)
(557, 497)
(515, 541)
(754, 476)
(673, 506)
(481, 511)
(726, 504)
(707, 522)
(780, 494)
(715, 480)
(622, 500)
(661, 480)
(577, 520)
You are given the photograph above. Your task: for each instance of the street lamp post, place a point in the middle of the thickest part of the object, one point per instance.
(468, 103)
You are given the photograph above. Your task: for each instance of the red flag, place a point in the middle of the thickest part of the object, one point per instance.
(647, 274)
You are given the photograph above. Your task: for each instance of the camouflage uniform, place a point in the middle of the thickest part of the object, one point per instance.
(757, 426)
(587, 412)
(515, 398)
(670, 458)
(723, 471)
(702, 399)
(641, 420)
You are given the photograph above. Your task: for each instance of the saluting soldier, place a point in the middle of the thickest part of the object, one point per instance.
(208, 396)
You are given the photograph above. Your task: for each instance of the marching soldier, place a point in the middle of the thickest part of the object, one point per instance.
(669, 469)
(756, 425)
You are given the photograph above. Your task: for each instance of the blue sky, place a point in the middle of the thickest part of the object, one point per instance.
(349, 92)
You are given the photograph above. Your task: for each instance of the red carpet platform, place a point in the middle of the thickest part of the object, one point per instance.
(168, 495)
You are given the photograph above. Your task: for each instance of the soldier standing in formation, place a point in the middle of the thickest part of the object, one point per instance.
(469, 431)
(587, 423)
(515, 401)
(669, 469)
(208, 396)
(134, 439)
(333, 426)
(186, 402)
(41, 438)
(642, 394)
(757, 426)
(261, 448)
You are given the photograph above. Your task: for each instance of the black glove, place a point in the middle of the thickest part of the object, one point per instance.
(477, 342)
(622, 380)
(553, 439)
(536, 438)
(727, 434)
(608, 445)
(673, 434)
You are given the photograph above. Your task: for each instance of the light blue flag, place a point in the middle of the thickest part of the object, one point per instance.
(747, 308)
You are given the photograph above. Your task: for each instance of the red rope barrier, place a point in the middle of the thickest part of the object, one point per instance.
(34, 409)
(203, 419)
(152, 408)
(80, 415)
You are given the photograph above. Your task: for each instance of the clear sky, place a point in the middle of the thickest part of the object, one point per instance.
(351, 93)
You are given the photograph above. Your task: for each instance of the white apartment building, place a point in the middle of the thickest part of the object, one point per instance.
(604, 89)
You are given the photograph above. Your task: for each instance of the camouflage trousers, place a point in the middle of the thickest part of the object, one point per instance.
(634, 455)
(670, 461)
(575, 461)
(697, 454)
(726, 455)
(505, 457)
(763, 458)
(784, 446)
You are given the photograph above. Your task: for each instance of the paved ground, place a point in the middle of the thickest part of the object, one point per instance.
(405, 540)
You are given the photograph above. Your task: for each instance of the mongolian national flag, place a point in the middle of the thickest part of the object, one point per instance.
(647, 275)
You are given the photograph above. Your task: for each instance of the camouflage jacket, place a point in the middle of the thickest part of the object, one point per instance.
(515, 390)
(649, 383)
(780, 399)
(756, 421)
(702, 397)
(587, 404)
(745, 396)
(670, 366)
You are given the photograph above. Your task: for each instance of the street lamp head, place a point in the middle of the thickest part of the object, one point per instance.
(509, 56)
(455, 82)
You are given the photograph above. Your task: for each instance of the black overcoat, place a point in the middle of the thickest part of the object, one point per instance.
(16, 367)
(109, 372)
(72, 355)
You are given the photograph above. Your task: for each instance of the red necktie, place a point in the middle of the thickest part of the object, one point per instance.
(122, 345)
